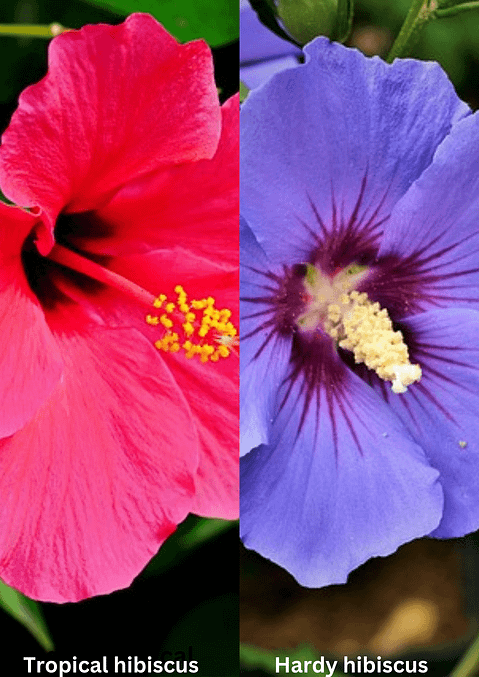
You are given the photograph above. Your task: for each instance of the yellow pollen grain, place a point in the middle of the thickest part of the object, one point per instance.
(189, 329)
(158, 302)
(194, 330)
(366, 330)
(223, 350)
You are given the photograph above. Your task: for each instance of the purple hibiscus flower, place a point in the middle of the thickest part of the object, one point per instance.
(360, 322)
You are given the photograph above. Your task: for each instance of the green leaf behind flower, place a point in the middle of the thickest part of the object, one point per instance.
(190, 535)
(27, 612)
(216, 22)
(244, 91)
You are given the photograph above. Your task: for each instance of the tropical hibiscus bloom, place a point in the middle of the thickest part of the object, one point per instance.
(360, 323)
(119, 401)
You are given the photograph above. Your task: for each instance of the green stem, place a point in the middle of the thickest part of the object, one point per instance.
(469, 663)
(420, 13)
(456, 9)
(31, 30)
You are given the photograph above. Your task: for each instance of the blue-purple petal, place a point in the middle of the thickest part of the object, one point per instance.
(441, 411)
(340, 137)
(254, 75)
(434, 229)
(264, 356)
(345, 484)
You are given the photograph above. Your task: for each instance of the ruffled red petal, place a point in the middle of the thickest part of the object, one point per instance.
(192, 205)
(117, 103)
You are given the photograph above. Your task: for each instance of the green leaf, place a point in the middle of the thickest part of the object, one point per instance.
(267, 14)
(27, 612)
(306, 19)
(453, 10)
(244, 91)
(191, 534)
(252, 657)
(344, 20)
(205, 530)
(216, 22)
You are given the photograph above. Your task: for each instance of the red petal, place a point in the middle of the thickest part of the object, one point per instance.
(100, 477)
(212, 393)
(210, 388)
(191, 205)
(30, 364)
(117, 102)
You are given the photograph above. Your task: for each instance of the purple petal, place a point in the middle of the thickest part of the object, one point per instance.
(264, 355)
(357, 133)
(256, 74)
(434, 229)
(258, 42)
(441, 410)
(336, 487)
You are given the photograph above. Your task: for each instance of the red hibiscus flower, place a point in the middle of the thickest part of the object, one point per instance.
(118, 412)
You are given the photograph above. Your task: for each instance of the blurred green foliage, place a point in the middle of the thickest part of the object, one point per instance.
(453, 42)
(217, 22)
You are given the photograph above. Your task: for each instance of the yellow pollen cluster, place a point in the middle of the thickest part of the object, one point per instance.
(207, 332)
(366, 329)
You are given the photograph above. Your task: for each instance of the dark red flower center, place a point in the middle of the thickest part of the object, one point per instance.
(195, 326)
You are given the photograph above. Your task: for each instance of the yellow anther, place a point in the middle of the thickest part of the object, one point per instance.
(158, 302)
(192, 329)
(189, 329)
(223, 350)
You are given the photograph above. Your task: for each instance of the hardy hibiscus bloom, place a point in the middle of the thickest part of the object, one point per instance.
(360, 322)
(118, 409)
